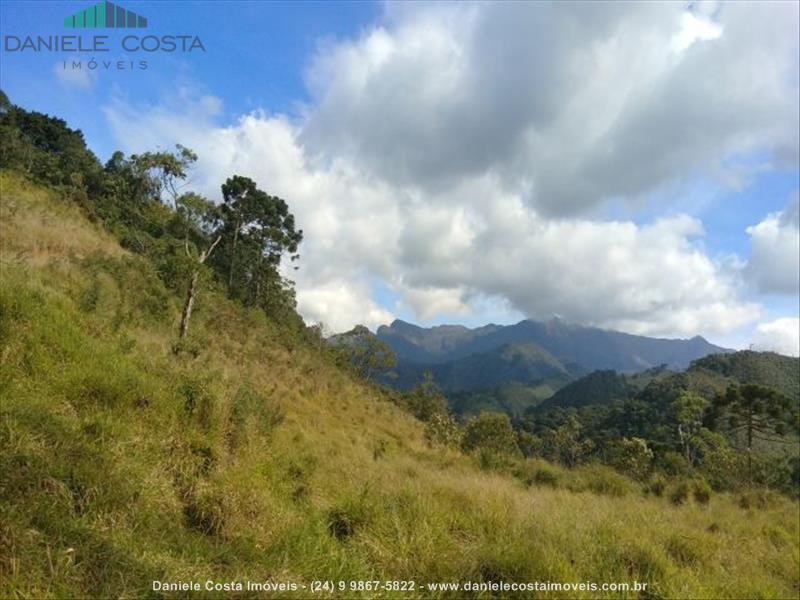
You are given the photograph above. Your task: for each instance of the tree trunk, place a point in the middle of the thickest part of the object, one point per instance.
(186, 314)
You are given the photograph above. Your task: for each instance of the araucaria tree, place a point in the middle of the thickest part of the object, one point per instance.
(757, 412)
(257, 232)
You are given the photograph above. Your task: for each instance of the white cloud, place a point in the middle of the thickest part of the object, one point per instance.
(453, 155)
(781, 335)
(445, 253)
(774, 265)
(568, 103)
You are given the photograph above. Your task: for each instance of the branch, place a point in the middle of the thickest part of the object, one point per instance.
(208, 252)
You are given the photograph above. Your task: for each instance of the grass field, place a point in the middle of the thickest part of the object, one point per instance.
(250, 457)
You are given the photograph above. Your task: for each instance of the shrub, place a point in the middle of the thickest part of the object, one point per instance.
(674, 464)
(426, 400)
(199, 402)
(490, 431)
(442, 430)
(630, 456)
(566, 444)
(491, 460)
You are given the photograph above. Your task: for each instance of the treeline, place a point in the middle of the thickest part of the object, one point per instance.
(236, 246)
(742, 435)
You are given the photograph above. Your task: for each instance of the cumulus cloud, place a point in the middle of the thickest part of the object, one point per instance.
(781, 335)
(453, 153)
(445, 253)
(569, 103)
(774, 265)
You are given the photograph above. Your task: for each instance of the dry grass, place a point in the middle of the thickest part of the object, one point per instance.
(109, 480)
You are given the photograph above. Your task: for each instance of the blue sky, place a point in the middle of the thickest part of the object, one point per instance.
(406, 136)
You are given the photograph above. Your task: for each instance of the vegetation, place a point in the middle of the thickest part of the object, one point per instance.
(243, 450)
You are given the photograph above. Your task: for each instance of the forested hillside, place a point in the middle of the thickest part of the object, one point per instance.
(166, 415)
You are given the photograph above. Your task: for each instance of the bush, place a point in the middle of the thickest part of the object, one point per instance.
(674, 464)
(490, 431)
(442, 430)
(425, 400)
(630, 456)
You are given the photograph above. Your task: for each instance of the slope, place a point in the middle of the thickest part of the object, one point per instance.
(250, 456)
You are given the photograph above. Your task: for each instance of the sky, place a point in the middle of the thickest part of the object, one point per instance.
(631, 166)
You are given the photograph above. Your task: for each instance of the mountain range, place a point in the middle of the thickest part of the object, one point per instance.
(589, 348)
(515, 367)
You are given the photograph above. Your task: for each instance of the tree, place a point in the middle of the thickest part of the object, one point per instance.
(566, 443)
(530, 445)
(369, 355)
(426, 399)
(442, 430)
(689, 409)
(195, 213)
(758, 412)
(631, 456)
(257, 230)
(492, 432)
(164, 170)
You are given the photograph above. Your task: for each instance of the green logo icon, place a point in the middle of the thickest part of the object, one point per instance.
(105, 15)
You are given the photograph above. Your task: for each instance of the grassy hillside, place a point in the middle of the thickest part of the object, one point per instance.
(250, 456)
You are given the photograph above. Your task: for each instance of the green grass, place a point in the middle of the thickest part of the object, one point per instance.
(252, 458)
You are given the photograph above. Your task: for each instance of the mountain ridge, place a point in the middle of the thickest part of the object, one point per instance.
(590, 347)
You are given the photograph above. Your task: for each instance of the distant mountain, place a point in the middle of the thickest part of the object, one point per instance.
(589, 347)
(523, 363)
